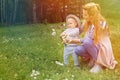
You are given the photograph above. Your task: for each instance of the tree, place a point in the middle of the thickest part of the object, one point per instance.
(34, 13)
(15, 10)
(2, 11)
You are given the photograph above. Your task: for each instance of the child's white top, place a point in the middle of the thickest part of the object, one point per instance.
(72, 33)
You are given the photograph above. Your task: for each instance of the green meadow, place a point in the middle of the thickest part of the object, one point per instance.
(29, 52)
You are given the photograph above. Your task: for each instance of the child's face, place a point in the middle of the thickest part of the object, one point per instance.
(71, 23)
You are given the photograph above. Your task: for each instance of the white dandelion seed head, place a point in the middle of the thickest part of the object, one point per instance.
(57, 73)
(31, 75)
(53, 29)
(73, 76)
(37, 73)
(19, 38)
(53, 33)
(66, 79)
(68, 71)
(35, 77)
(64, 24)
(33, 71)
(58, 44)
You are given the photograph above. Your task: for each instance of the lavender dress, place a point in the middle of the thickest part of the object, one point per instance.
(88, 48)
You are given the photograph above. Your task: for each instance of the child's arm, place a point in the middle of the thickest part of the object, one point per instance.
(63, 36)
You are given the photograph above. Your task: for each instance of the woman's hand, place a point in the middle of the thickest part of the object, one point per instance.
(72, 41)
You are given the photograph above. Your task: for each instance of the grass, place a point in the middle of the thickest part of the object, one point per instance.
(25, 48)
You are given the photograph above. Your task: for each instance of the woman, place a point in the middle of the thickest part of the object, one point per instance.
(96, 44)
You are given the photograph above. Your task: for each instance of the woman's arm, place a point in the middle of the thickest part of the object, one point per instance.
(82, 26)
(74, 41)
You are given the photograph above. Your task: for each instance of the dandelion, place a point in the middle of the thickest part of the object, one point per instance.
(53, 32)
(66, 79)
(35, 77)
(58, 44)
(34, 74)
(19, 38)
(57, 73)
(57, 62)
(64, 24)
(73, 76)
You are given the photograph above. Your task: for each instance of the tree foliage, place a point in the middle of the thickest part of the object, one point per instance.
(15, 11)
(32, 11)
(56, 11)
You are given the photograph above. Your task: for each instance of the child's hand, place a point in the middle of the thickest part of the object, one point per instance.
(64, 41)
(63, 36)
(68, 40)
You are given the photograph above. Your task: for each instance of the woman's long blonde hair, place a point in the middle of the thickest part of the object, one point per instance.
(95, 18)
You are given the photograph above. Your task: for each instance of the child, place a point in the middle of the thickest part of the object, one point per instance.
(72, 32)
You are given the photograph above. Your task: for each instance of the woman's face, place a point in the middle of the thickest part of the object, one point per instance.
(85, 15)
(71, 23)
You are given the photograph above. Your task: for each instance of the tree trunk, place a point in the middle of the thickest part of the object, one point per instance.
(41, 12)
(34, 12)
(2, 12)
(15, 10)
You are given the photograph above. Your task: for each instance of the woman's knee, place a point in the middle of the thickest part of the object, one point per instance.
(88, 42)
(79, 50)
